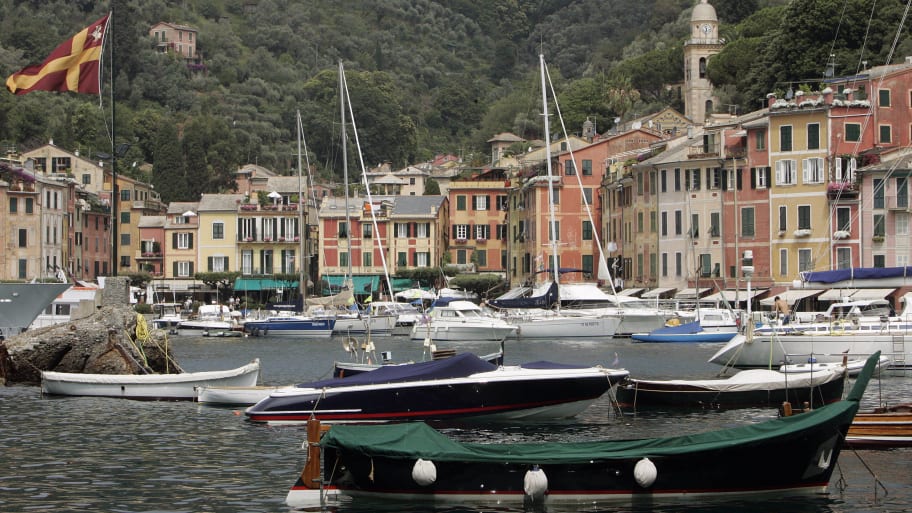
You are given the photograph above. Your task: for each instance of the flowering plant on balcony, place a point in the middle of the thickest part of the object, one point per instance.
(248, 239)
(148, 254)
(248, 206)
(281, 239)
(289, 207)
(296, 239)
(267, 239)
(460, 241)
(480, 239)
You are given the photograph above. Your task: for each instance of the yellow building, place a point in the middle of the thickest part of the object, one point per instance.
(799, 208)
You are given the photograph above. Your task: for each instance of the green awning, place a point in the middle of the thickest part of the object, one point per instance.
(249, 284)
(360, 284)
(400, 284)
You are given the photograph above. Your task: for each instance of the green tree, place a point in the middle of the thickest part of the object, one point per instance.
(431, 187)
(168, 171)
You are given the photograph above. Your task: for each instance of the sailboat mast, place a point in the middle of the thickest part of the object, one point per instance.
(302, 285)
(348, 225)
(553, 224)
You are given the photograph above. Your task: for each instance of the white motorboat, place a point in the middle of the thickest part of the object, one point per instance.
(21, 303)
(166, 316)
(460, 321)
(209, 318)
(146, 386)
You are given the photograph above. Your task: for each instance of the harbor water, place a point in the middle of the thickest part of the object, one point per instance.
(82, 454)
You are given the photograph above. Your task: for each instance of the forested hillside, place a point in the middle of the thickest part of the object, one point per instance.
(425, 76)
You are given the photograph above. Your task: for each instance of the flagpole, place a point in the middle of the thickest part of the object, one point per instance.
(115, 197)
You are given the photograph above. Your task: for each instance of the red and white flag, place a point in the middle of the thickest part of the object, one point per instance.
(72, 66)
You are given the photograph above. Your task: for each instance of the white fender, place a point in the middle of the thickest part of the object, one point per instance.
(535, 483)
(424, 472)
(645, 473)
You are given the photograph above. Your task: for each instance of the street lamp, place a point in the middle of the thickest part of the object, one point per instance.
(747, 269)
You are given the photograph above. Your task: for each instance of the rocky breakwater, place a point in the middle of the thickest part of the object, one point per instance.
(103, 343)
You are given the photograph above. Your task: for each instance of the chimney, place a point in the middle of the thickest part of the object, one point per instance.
(770, 99)
(827, 96)
(849, 94)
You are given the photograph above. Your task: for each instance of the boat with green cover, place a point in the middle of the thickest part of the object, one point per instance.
(793, 455)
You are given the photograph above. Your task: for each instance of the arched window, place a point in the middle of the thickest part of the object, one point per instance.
(702, 67)
(709, 109)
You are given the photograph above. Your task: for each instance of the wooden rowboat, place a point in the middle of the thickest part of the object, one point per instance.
(882, 428)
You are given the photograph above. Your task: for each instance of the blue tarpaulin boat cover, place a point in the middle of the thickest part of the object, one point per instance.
(856, 273)
(682, 329)
(545, 300)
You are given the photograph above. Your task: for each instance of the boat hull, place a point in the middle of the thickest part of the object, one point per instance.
(701, 337)
(456, 333)
(379, 325)
(799, 462)
(313, 328)
(882, 429)
(506, 393)
(790, 349)
(826, 388)
(21, 303)
(146, 386)
(587, 327)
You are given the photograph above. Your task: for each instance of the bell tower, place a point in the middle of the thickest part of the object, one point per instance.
(704, 42)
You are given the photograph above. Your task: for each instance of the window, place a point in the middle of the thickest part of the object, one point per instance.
(217, 264)
(218, 230)
(639, 222)
(785, 138)
(879, 225)
(588, 263)
(86, 179)
(692, 179)
(786, 172)
(183, 241)
(343, 229)
(587, 195)
(587, 230)
(482, 232)
(677, 183)
(556, 228)
(124, 218)
(880, 261)
(587, 167)
(747, 222)
(886, 133)
(843, 258)
(481, 257)
(247, 261)
(760, 140)
(705, 265)
(679, 264)
(13, 205)
(423, 230)
(813, 170)
(760, 177)
(878, 185)
(29, 205)
(124, 261)
(124, 239)
(679, 222)
(664, 226)
(845, 169)
(883, 98)
(813, 136)
(714, 178)
(715, 222)
(461, 257)
(805, 263)
(480, 202)
(902, 192)
(460, 231)
(183, 269)
(501, 202)
(343, 259)
(663, 180)
(804, 217)
(501, 231)
(652, 221)
(569, 168)
(402, 259)
(664, 264)
(23, 237)
(402, 231)
(422, 259)
(783, 262)
(843, 218)
(367, 259)
(460, 202)
(783, 218)
(901, 223)
(853, 132)
(125, 194)
(367, 230)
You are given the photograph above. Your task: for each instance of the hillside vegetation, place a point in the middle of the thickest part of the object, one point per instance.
(425, 77)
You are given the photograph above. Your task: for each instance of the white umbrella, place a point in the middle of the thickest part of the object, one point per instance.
(275, 196)
(189, 213)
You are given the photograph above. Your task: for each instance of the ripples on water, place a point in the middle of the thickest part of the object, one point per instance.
(109, 455)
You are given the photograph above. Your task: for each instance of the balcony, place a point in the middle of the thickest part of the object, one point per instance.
(842, 190)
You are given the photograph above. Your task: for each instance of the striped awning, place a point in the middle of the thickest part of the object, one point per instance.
(866, 294)
(836, 294)
(657, 292)
(791, 296)
(731, 294)
(630, 292)
(692, 293)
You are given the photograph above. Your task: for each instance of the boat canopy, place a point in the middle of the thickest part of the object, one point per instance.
(856, 273)
(460, 365)
(544, 301)
(412, 440)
